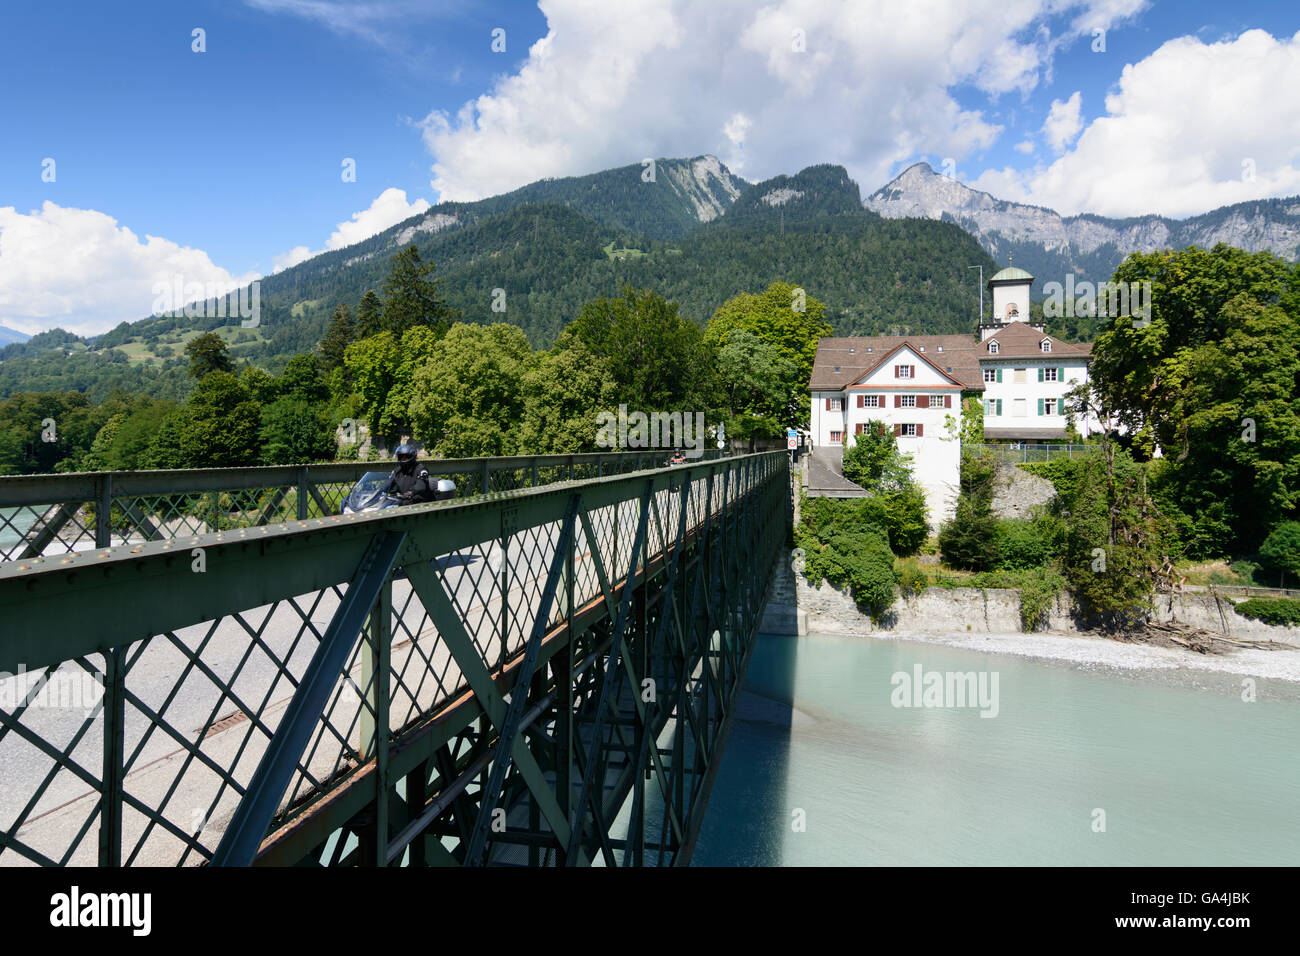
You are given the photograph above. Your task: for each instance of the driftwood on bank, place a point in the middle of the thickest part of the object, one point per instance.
(1174, 634)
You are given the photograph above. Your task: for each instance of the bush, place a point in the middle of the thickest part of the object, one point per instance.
(897, 514)
(1245, 570)
(1114, 541)
(911, 579)
(1063, 473)
(969, 541)
(865, 460)
(1281, 549)
(905, 516)
(1037, 594)
(861, 562)
(1284, 611)
(1021, 545)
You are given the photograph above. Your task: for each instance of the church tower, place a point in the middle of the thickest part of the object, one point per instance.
(1009, 290)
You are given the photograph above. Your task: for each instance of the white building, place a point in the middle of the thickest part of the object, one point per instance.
(915, 385)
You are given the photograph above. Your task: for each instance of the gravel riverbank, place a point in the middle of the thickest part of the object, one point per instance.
(1091, 650)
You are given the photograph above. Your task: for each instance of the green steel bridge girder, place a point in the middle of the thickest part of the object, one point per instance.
(685, 612)
(66, 510)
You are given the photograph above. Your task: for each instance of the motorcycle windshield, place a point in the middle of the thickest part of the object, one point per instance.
(368, 490)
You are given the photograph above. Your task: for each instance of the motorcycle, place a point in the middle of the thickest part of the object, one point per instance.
(371, 493)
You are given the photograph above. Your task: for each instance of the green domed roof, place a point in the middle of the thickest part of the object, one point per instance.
(1012, 274)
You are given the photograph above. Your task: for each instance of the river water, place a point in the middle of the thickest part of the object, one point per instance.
(9, 534)
(1079, 766)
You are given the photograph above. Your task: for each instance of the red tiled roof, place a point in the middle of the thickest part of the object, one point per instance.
(1018, 340)
(842, 361)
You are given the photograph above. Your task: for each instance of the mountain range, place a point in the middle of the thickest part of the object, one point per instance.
(688, 228)
(1050, 245)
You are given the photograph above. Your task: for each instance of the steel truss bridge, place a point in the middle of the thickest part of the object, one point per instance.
(542, 673)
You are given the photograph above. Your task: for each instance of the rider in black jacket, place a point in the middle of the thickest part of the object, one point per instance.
(410, 482)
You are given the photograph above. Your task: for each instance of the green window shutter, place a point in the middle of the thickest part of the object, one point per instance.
(1040, 378)
(1060, 374)
(999, 375)
(1040, 406)
(999, 406)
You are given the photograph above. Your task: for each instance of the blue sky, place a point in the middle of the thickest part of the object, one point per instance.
(231, 158)
(237, 150)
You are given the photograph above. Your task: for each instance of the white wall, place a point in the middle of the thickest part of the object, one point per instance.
(1004, 294)
(821, 422)
(1076, 371)
(936, 458)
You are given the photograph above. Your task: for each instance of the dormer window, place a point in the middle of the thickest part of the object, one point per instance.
(922, 348)
(938, 348)
(870, 350)
(1045, 345)
(993, 348)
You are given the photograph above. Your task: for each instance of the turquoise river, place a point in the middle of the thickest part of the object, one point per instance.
(1080, 765)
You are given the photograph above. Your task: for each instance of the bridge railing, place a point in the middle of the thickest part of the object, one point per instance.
(59, 514)
(475, 681)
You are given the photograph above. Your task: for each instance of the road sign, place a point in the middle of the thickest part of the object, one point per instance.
(791, 438)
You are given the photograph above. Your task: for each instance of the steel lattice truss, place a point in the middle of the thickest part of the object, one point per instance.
(539, 677)
(53, 515)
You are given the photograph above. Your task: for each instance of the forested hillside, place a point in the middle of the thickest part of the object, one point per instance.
(549, 259)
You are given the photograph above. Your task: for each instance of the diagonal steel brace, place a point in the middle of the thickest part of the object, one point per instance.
(242, 838)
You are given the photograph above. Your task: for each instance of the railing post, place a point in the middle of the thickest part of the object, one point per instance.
(486, 477)
(376, 653)
(110, 795)
(534, 471)
(302, 493)
(503, 581)
(104, 513)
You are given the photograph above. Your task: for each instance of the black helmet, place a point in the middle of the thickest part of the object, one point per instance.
(405, 452)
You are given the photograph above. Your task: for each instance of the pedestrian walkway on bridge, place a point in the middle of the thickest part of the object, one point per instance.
(541, 676)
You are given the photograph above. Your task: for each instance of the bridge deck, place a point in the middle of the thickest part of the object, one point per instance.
(651, 582)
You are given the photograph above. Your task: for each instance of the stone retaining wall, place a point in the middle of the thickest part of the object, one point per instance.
(796, 607)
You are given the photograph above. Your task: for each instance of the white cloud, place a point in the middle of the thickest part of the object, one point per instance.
(389, 208)
(1025, 146)
(612, 83)
(79, 270)
(1192, 127)
(380, 22)
(1102, 14)
(1064, 121)
(287, 260)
